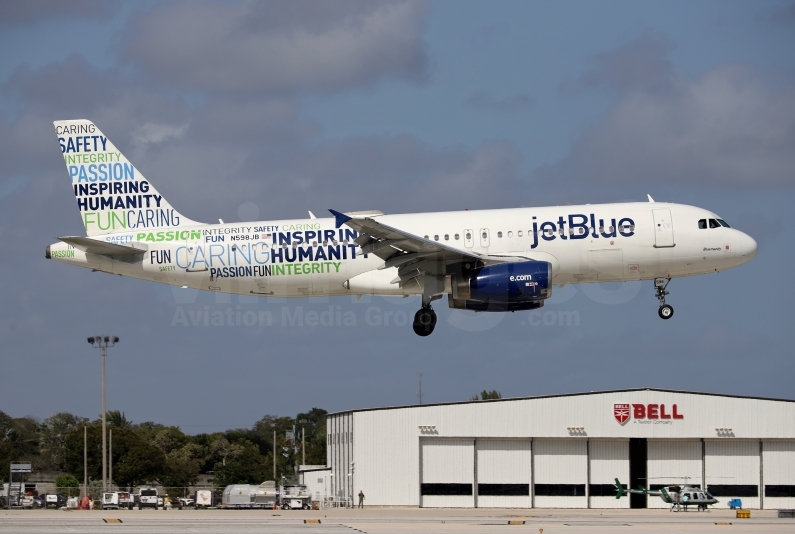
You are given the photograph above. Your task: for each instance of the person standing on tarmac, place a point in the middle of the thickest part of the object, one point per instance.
(361, 499)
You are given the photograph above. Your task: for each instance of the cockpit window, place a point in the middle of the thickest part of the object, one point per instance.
(702, 224)
(714, 224)
(724, 223)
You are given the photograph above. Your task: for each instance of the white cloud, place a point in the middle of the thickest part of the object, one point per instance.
(725, 127)
(250, 48)
(156, 133)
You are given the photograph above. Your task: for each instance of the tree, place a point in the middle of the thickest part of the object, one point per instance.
(67, 484)
(246, 466)
(183, 465)
(51, 443)
(117, 419)
(170, 438)
(19, 441)
(487, 395)
(135, 460)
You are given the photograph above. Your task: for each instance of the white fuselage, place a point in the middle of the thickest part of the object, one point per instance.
(299, 258)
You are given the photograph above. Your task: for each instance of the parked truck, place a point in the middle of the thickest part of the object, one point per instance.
(113, 500)
(147, 498)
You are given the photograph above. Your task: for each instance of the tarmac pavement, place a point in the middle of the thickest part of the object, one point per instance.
(387, 520)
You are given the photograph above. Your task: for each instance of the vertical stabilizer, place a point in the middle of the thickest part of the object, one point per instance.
(112, 196)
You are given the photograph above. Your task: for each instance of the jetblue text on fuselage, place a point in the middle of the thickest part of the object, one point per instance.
(581, 226)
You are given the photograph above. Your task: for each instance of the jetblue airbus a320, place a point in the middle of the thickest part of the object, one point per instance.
(487, 261)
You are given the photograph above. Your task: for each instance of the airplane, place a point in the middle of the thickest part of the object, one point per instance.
(500, 260)
(678, 496)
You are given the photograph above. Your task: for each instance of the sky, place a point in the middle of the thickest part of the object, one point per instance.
(263, 110)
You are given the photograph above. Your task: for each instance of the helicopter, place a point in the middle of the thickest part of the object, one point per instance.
(679, 496)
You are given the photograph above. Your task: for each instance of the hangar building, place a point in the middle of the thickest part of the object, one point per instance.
(564, 451)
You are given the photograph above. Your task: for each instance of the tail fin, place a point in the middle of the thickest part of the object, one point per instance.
(620, 491)
(112, 195)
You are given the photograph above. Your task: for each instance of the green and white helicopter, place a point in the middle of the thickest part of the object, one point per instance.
(679, 496)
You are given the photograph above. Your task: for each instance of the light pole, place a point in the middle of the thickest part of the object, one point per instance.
(102, 343)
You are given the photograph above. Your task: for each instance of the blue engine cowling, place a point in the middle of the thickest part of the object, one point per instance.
(503, 287)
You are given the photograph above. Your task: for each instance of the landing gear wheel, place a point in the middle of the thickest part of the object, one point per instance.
(424, 322)
(666, 311)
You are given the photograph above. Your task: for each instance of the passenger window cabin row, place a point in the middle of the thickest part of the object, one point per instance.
(546, 231)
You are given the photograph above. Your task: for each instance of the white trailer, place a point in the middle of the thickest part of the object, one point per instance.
(249, 496)
(205, 498)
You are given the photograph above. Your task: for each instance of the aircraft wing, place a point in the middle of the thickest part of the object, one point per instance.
(412, 254)
(93, 246)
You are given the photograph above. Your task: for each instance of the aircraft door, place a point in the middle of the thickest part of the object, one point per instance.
(262, 269)
(663, 228)
(484, 237)
(469, 238)
(196, 259)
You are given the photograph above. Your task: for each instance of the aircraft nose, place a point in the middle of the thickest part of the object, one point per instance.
(746, 247)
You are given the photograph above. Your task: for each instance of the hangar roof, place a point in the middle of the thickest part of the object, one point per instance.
(583, 393)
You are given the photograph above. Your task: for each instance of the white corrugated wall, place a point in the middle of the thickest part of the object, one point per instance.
(505, 461)
(673, 462)
(448, 461)
(387, 456)
(340, 452)
(609, 460)
(778, 458)
(560, 462)
(732, 463)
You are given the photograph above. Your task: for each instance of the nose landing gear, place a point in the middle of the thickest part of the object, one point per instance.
(424, 321)
(666, 311)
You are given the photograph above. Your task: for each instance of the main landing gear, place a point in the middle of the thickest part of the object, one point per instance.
(666, 311)
(424, 321)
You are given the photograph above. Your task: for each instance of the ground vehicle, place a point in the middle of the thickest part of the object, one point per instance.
(147, 498)
(248, 496)
(295, 497)
(187, 501)
(113, 500)
(206, 498)
(171, 503)
(56, 500)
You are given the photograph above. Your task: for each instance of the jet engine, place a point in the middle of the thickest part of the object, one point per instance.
(502, 287)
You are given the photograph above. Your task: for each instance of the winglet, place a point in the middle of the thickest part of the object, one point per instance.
(650, 199)
(619, 490)
(340, 218)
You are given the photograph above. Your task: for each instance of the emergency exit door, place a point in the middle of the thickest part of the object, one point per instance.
(663, 229)
(484, 237)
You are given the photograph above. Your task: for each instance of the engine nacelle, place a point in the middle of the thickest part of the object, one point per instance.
(502, 287)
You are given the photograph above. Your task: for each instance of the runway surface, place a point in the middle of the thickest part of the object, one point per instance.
(386, 520)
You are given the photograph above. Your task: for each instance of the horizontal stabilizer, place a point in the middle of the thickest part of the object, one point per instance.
(92, 246)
